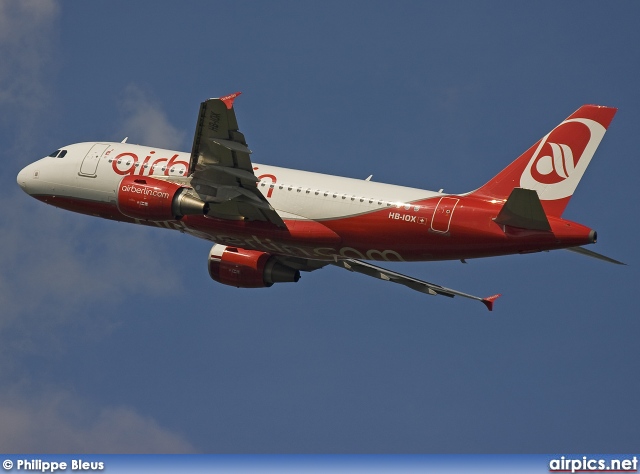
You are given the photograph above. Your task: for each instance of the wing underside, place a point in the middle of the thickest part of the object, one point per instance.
(368, 269)
(220, 168)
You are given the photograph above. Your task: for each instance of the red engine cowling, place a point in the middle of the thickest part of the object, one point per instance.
(156, 200)
(244, 268)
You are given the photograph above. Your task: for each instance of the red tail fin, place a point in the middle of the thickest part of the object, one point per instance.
(555, 164)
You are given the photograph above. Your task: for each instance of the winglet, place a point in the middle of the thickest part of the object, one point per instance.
(488, 302)
(228, 99)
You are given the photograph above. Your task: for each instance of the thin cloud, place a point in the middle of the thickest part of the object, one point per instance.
(62, 423)
(27, 47)
(55, 263)
(146, 123)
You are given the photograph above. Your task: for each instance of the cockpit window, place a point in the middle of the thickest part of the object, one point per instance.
(58, 154)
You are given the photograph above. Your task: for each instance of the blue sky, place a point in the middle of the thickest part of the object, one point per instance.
(114, 339)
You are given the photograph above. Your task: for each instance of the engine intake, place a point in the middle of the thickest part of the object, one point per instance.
(156, 200)
(244, 268)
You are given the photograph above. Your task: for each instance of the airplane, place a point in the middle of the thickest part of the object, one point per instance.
(268, 223)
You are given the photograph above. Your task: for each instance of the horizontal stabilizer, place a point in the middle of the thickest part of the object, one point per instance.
(523, 209)
(592, 254)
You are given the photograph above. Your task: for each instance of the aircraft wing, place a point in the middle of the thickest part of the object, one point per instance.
(220, 168)
(359, 266)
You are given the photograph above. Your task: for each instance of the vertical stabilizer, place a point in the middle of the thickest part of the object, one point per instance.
(554, 166)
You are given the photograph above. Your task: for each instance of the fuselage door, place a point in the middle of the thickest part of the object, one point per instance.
(443, 213)
(89, 164)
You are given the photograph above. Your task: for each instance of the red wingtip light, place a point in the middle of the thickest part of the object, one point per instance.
(228, 99)
(488, 302)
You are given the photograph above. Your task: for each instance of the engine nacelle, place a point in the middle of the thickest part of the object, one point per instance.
(244, 268)
(143, 197)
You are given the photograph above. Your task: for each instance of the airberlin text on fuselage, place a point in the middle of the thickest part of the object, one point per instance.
(129, 163)
(282, 248)
(145, 191)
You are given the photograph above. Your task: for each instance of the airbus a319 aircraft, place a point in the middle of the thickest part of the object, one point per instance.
(268, 224)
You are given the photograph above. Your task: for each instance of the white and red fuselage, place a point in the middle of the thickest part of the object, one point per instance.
(325, 215)
(330, 218)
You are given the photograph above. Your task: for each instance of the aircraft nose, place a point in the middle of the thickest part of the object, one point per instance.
(24, 176)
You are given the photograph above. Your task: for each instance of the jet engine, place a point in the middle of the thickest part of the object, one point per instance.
(244, 268)
(143, 197)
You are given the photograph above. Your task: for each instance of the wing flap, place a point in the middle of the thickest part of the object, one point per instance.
(232, 145)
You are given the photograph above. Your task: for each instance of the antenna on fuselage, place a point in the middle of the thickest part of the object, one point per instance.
(125, 140)
(369, 178)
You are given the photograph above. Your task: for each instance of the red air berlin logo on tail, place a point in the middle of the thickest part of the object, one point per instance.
(560, 159)
(560, 153)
